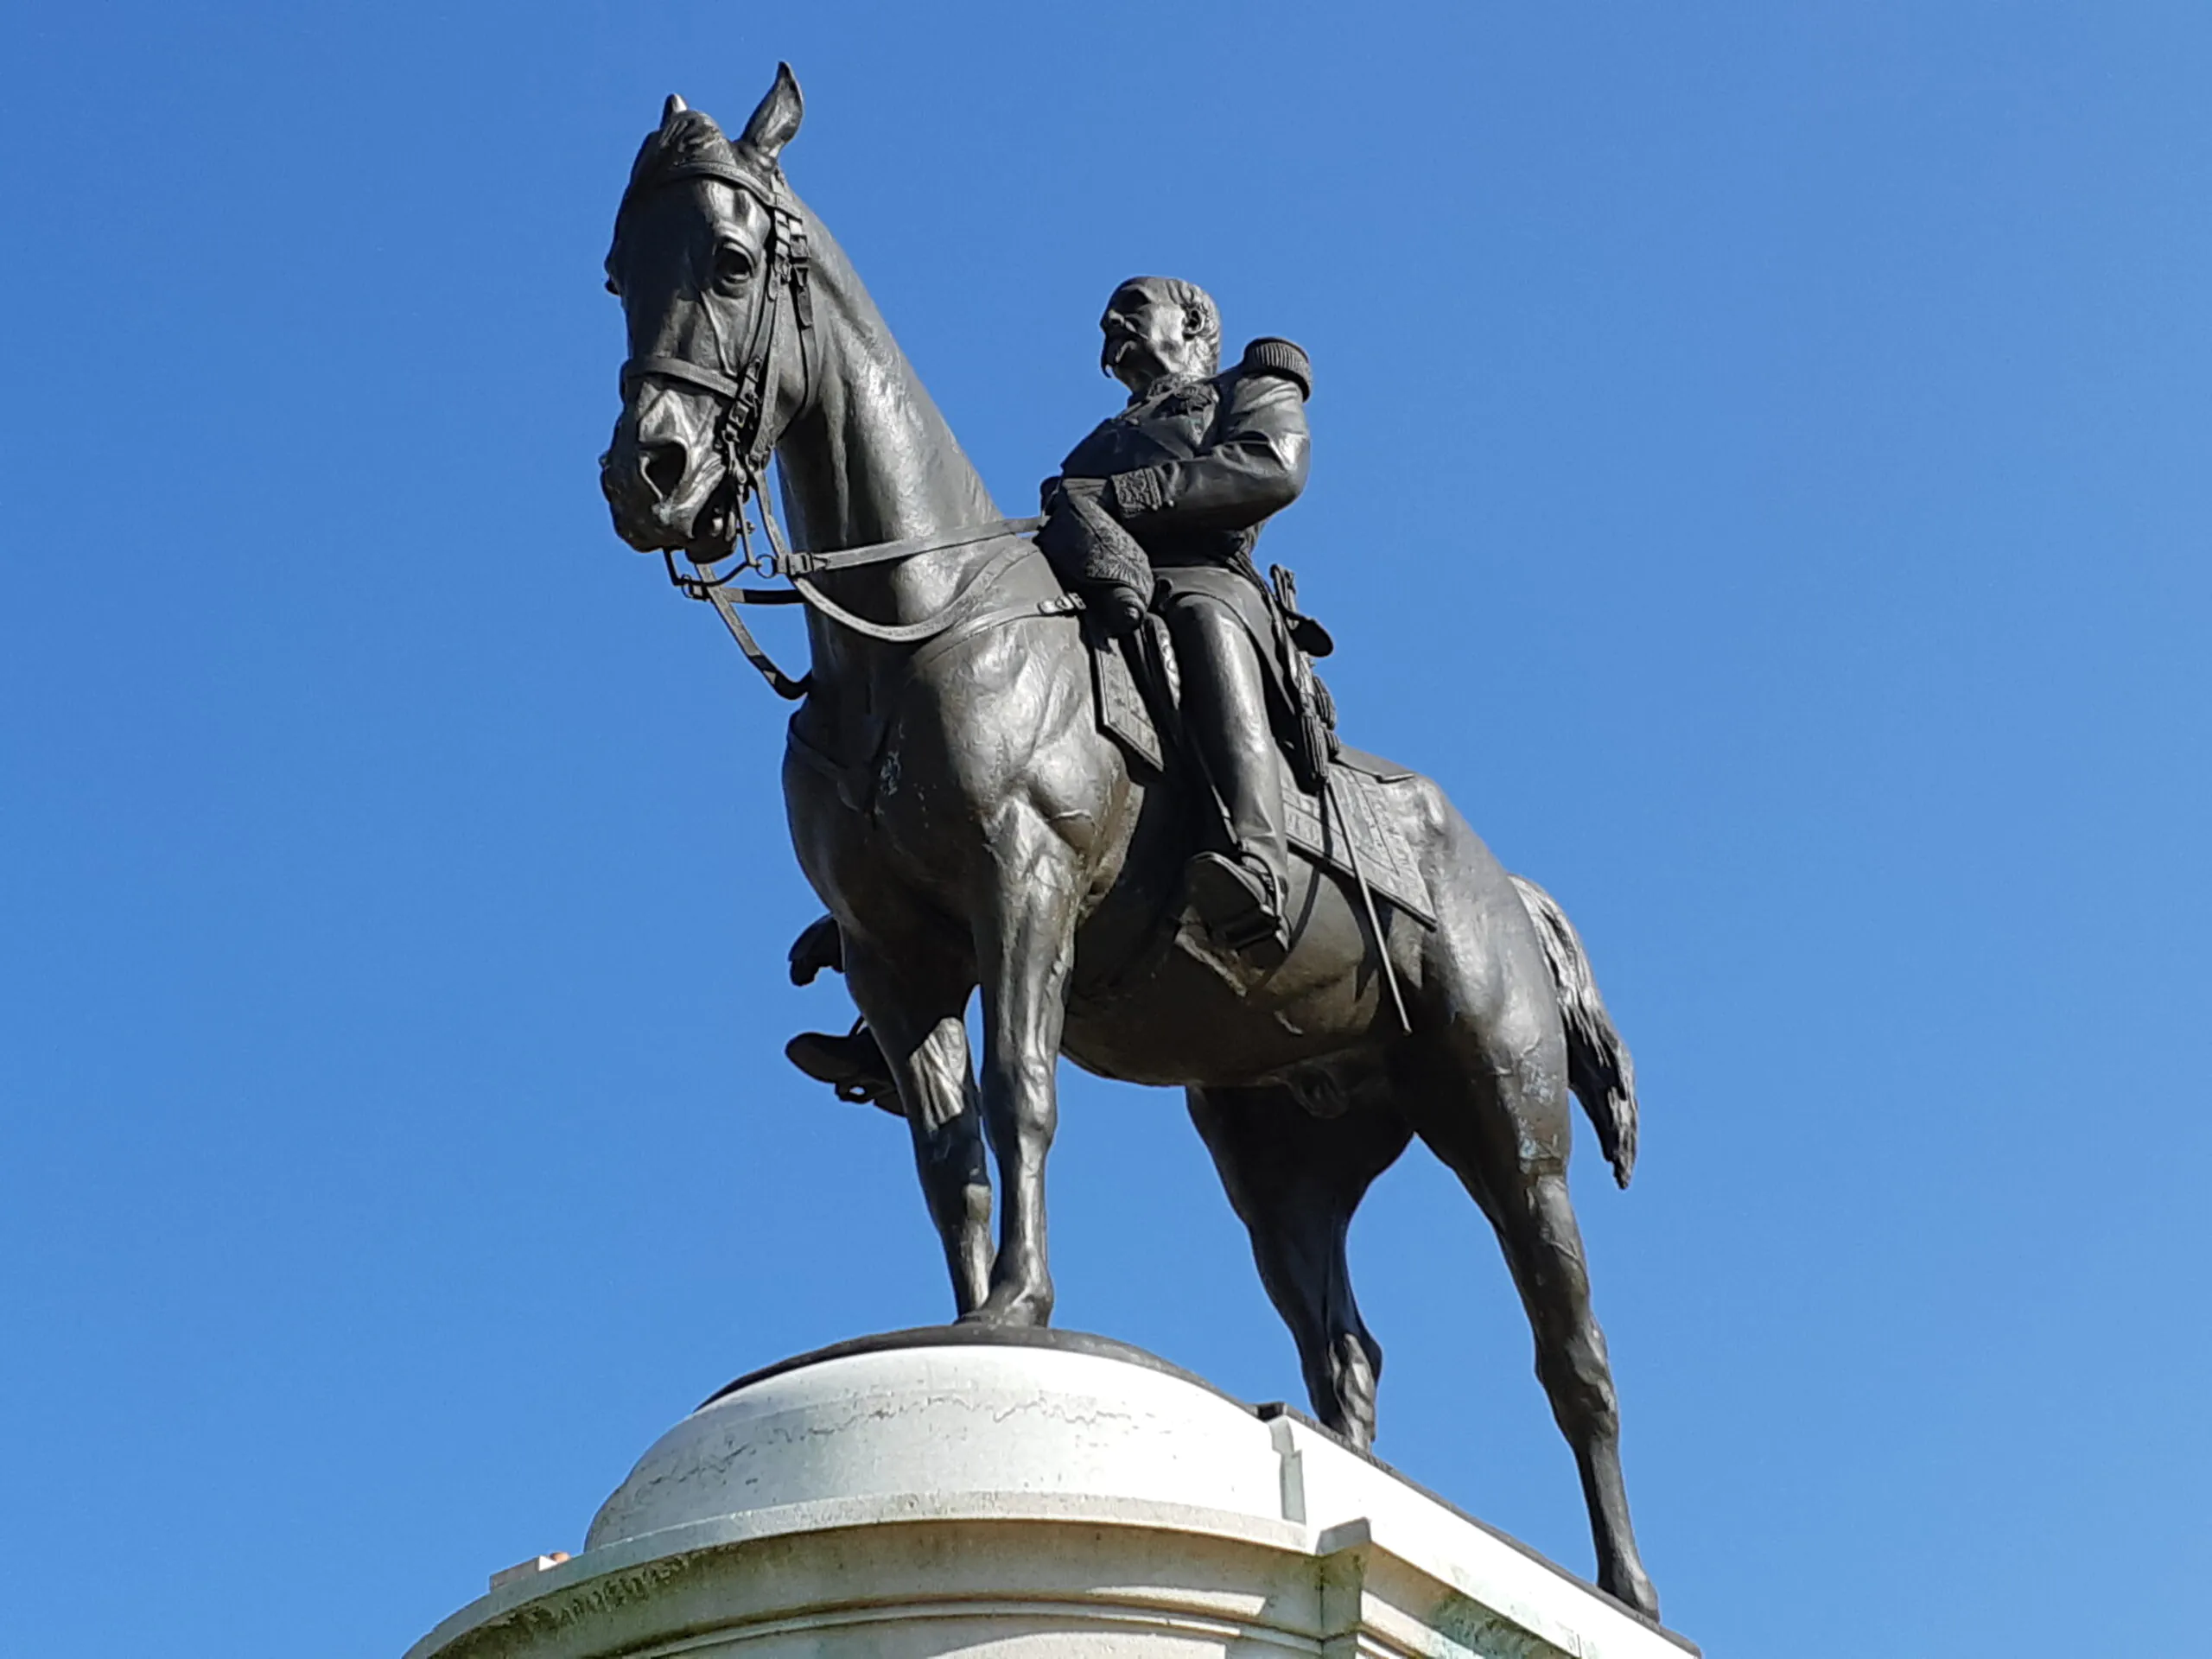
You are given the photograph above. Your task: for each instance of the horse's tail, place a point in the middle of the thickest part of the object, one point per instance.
(1599, 1069)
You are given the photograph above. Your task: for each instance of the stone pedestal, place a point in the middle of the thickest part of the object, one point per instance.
(954, 1490)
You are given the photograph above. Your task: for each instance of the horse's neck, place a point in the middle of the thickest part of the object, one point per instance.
(867, 459)
(870, 458)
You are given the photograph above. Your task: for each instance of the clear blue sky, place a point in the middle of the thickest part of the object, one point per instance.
(1761, 468)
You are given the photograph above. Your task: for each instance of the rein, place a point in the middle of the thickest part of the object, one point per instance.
(741, 437)
(721, 590)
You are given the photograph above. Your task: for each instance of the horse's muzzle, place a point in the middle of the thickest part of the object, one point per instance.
(660, 499)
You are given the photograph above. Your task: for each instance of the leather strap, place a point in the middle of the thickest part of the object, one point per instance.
(675, 368)
(800, 562)
(726, 601)
(705, 169)
(905, 633)
(1058, 605)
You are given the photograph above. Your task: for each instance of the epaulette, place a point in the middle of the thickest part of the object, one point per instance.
(1268, 355)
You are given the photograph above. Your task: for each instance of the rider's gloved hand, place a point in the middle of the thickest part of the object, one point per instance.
(1120, 609)
(1079, 538)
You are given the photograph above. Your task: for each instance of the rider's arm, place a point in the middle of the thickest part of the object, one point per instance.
(1255, 465)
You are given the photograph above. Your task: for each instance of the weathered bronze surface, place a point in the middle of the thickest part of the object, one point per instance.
(993, 786)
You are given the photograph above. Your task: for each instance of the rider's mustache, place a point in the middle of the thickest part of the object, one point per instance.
(1120, 342)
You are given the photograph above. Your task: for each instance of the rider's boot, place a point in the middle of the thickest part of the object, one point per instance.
(1239, 895)
(1235, 899)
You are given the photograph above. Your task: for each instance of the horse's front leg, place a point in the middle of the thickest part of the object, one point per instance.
(1025, 942)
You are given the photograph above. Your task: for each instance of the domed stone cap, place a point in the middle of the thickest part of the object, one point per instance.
(947, 1413)
(1030, 1495)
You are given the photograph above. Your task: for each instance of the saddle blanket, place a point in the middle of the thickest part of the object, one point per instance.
(1369, 841)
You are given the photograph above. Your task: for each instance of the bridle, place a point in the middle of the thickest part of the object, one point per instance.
(741, 434)
(743, 441)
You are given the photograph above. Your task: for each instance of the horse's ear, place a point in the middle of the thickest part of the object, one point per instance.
(776, 119)
(674, 107)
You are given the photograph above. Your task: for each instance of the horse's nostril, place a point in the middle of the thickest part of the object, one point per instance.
(663, 466)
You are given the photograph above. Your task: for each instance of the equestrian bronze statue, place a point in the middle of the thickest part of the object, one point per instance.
(1088, 771)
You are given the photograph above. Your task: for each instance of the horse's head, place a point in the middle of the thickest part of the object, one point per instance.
(709, 265)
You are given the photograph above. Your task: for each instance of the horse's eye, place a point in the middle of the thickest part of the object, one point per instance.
(733, 264)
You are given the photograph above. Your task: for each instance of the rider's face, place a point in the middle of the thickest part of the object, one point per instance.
(1146, 336)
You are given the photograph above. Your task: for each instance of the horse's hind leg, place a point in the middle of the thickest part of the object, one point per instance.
(1294, 1181)
(1493, 1105)
(1545, 1250)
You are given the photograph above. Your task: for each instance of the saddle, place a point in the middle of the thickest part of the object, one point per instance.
(1337, 813)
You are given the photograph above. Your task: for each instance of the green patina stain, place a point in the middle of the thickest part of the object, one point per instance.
(1473, 1627)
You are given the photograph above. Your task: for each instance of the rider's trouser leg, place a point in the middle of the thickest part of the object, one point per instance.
(1226, 702)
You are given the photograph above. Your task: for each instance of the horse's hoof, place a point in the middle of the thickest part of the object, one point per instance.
(1006, 1306)
(1633, 1585)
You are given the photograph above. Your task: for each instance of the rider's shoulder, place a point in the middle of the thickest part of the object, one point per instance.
(1270, 355)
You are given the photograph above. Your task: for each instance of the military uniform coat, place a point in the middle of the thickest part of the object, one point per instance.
(1194, 468)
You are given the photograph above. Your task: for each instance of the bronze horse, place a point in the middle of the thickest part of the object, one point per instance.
(952, 800)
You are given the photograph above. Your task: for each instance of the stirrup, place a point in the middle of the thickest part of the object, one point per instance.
(1236, 902)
